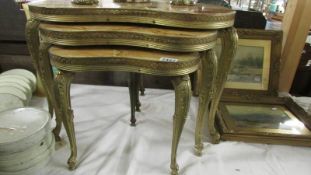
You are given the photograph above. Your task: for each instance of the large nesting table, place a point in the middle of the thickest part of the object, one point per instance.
(151, 25)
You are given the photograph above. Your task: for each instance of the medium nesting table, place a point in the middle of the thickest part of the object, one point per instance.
(158, 25)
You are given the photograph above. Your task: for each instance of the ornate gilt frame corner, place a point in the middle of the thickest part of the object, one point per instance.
(228, 133)
(276, 43)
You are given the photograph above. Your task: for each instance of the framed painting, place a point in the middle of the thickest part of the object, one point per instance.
(255, 67)
(251, 65)
(268, 120)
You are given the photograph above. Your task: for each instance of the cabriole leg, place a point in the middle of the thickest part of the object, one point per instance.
(50, 106)
(229, 39)
(133, 88)
(197, 81)
(33, 43)
(32, 37)
(47, 79)
(209, 71)
(62, 92)
(182, 101)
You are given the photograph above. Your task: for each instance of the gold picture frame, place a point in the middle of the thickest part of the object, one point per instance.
(255, 68)
(254, 76)
(269, 120)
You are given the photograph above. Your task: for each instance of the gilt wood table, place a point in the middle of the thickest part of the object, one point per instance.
(52, 23)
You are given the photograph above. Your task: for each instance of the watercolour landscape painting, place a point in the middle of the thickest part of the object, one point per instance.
(251, 65)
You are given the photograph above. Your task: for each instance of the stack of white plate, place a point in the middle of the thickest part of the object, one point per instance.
(26, 141)
(16, 88)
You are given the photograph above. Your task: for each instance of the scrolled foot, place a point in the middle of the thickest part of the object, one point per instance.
(142, 92)
(198, 149)
(56, 131)
(133, 121)
(72, 163)
(174, 169)
(215, 138)
(56, 136)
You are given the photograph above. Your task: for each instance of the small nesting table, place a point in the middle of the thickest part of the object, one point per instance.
(59, 26)
(134, 60)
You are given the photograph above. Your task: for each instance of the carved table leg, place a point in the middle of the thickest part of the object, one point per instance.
(207, 85)
(197, 81)
(229, 39)
(50, 106)
(33, 43)
(62, 92)
(47, 79)
(32, 37)
(182, 101)
(134, 96)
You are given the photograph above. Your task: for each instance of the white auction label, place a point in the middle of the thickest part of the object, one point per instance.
(165, 59)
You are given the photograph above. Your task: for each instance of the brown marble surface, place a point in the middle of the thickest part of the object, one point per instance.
(155, 5)
(158, 12)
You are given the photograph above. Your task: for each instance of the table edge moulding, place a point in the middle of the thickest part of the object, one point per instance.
(199, 16)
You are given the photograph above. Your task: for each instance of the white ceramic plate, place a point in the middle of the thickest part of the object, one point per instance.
(22, 128)
(14, 91)
(23, 72)
(29, 171)
(24, 165)
(16, 81)
(24, 89)
(17, 78)
(9, 101)
(32, 151)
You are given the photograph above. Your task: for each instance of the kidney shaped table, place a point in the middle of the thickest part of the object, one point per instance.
(49, 18)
